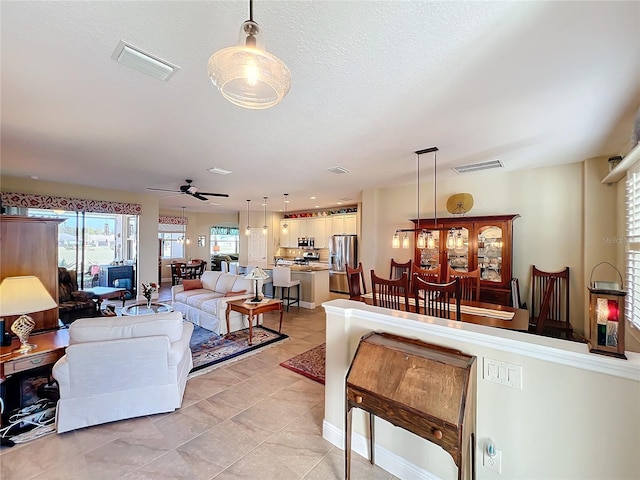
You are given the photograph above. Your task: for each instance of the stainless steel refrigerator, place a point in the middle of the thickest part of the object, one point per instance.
(343, 251)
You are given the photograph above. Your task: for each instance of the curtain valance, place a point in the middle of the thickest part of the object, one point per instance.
(52, 202)
(225, 230)
(169, 220)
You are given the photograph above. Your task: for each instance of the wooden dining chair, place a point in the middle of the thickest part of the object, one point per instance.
(178, 272)
(550, 303)
(355, 281)
(469, 283)
(431, 275)
(397, 269)
(435, 299)
(392, 293)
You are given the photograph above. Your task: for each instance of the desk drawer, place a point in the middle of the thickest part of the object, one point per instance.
(30, 362)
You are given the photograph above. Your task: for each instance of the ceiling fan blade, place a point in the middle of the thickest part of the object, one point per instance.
(199, 197)
(214, 194)
(163, 190)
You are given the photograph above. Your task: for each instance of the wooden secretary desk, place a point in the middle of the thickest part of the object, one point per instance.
(483, 242)
(426, 389)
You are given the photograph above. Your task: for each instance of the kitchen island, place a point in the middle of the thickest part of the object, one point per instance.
(314, 283)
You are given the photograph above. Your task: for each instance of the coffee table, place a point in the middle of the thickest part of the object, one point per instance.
(98, 294)
(142, 309)
(253, 310)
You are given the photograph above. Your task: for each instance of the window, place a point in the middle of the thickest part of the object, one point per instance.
(633, 246)
(172, 245)
(227, 238)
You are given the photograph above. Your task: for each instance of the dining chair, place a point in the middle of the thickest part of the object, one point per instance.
(392, 293)
(355, 281)
(435, 299)
(177, 272)
(431, 275)
(397, 269)
(282, 280)
(550, 303)
(469, 283)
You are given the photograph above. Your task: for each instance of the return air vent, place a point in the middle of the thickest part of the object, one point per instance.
(476, 167)
(338, 170)
(135, 58)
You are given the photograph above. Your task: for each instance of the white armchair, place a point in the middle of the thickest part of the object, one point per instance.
(122, 367)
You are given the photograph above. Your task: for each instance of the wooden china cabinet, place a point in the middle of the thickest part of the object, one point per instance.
(469, 243)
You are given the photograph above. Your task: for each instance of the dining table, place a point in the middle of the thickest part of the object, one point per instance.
(190, 269)
(479, 313)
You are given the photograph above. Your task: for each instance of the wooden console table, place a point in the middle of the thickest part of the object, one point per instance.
(426, 389)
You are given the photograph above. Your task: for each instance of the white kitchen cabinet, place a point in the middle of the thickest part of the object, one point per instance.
(316, 228)
(294, 230)
(285, 238)
(350, 224)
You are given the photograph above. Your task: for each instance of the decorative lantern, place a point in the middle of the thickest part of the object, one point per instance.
(606, 316)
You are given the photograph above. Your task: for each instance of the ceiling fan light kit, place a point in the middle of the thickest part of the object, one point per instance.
(246, 74)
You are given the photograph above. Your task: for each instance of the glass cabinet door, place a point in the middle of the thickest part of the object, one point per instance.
(490, 253)
(457, 247)
(430, 256)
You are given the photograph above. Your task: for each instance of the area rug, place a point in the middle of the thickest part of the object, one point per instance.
(209, 349)
(310, 363)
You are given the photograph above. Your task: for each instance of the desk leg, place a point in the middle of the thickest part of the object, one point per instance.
(227, 316)
(123, 298)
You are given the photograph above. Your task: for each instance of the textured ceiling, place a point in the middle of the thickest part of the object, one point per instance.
(531, 84)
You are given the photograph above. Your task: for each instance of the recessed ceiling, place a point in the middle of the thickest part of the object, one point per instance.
(529, 83)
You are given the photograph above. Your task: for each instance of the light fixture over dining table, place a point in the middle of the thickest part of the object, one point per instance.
(246, 74)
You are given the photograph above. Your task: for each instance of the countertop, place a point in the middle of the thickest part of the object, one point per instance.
(304, 268)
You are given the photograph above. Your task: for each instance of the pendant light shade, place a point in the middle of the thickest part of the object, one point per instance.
(247, 231)
(395, 242)
(246, 74)
(285, 227)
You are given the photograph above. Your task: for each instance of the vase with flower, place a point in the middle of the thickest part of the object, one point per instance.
(147, 291)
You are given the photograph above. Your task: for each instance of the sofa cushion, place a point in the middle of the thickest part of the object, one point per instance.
(114, 328)
(195, 298)
(191, 284)
(209, 279)
(226, 282)
(242, 283)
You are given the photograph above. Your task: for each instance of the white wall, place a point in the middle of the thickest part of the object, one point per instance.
(548, 234)
(577, 415)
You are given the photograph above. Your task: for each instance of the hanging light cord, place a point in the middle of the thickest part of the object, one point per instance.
(251, 10)
(435, 184)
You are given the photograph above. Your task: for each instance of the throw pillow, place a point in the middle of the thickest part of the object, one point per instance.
(233, 294)
(191, 284)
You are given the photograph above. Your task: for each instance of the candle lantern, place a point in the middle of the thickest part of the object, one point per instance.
(606, 316)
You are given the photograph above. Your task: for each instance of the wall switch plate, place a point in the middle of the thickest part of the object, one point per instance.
(502, 373)
(492, 463)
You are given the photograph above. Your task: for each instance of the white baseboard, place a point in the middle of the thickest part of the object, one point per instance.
(385, 459)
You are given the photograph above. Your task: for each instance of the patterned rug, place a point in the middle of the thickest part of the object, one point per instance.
(310, 363)
(210, 349)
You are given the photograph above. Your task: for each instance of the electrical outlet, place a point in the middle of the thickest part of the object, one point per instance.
(493, 463)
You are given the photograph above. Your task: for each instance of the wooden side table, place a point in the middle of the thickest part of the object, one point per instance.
(253, 310)
(50, 346)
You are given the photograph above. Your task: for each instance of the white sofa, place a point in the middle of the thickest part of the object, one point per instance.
(122, 367)
(207, 306)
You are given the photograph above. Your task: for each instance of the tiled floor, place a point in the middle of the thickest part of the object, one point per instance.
(251, 419)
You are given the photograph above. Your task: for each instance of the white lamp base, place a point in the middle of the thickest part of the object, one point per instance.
(25, 348)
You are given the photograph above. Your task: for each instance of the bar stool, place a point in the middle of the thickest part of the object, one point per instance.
(282, 279)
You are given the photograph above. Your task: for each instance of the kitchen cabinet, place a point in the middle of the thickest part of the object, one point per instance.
(285, 237)
(316, 228)
(469, 243)
(343, 224)
(294, 231)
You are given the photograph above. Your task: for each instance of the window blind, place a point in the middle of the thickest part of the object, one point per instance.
(633, 246)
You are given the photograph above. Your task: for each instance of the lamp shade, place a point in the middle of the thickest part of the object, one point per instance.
(256, 274)
(216, 248)
(20, 295)
(246, 74)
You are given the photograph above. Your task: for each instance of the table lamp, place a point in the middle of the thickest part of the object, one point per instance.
(256, 274)
(19, 296)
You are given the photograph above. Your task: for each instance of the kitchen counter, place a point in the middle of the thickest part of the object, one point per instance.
(314, 283)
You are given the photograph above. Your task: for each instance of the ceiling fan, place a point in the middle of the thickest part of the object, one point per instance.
(189, 189)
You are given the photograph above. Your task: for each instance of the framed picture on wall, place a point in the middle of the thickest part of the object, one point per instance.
(202, 241)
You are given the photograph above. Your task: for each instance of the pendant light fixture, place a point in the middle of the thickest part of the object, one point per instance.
(247, 231)
(285, 227)
(184, 239)
(265, 229)
(246, 74)
(425, 239)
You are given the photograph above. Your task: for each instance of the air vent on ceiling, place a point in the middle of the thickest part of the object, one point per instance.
(219, 171)
(135, 58)
(338, 170)
(476, 167)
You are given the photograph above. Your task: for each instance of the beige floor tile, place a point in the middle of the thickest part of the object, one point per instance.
(247, 368)
(258, 464)
(213, 382)
(264, 419)
(235, 399)
(331, 467)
